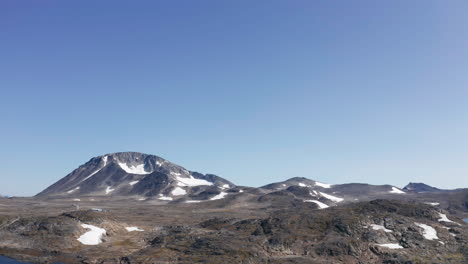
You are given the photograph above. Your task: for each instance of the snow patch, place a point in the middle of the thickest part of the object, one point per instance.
(109, 190)
(241, 191)
(331, 197)
(323, 185)
(303, 185)
(141, 199)
(443, 218)
(192, 201)
(219, 196)
(191, 181)
(77, 188)
(390, 245)
(134, 228)
(396, 190)
(379, 227)
(92, 174)
(92, 237)
(429, 232)
(76, 200)
(225, 186)
(320, 204)
(165, 198)
(138, 169)
(104, 159)
(178, 191)
(433, 204)
(133, 183)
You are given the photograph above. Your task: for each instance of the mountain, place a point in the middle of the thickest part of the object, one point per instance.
(148, 177)
(326, 195)
(420, 187)
(136, 174)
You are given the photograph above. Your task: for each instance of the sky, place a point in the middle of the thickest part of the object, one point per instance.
(253, 91)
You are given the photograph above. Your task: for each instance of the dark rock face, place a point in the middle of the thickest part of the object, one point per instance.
(420, 187)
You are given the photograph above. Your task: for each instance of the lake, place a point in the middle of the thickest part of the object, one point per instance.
(466, 220)
(5, 260)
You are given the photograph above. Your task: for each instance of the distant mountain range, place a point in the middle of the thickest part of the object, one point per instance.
(149, 177)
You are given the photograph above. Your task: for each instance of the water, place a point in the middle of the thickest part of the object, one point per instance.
(5, 260)
(466, 220)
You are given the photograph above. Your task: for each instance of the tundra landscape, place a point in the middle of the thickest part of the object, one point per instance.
(137, 208)
(233, 132)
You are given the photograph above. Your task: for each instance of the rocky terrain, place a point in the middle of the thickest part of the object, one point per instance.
(137, 208)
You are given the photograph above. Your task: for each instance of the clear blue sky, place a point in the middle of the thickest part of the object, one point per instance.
(254, 91)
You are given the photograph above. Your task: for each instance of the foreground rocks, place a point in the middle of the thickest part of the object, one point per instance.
(300, 233)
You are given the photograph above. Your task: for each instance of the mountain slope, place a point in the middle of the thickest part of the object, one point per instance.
(132, 173)
(420, 187)
(326, 195)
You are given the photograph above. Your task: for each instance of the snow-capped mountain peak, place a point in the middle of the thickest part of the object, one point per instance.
(132, 173)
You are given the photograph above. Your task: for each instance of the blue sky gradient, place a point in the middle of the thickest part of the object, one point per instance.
(254, 91)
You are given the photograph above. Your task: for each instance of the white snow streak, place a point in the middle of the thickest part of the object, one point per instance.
(331, 197)
(109, 190)
(104, 159)
(138, 169)
(428, 231)
(165, 198)
(433, 204)
(134, 228)
(191, 181)
(390, 245)
(323, 185)
(77, 188)
(396, 190)
(133, 183)
(219, 196)
(92, 237)
(178, 191)
(192, 201)
(320, 204)
(443, 218)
